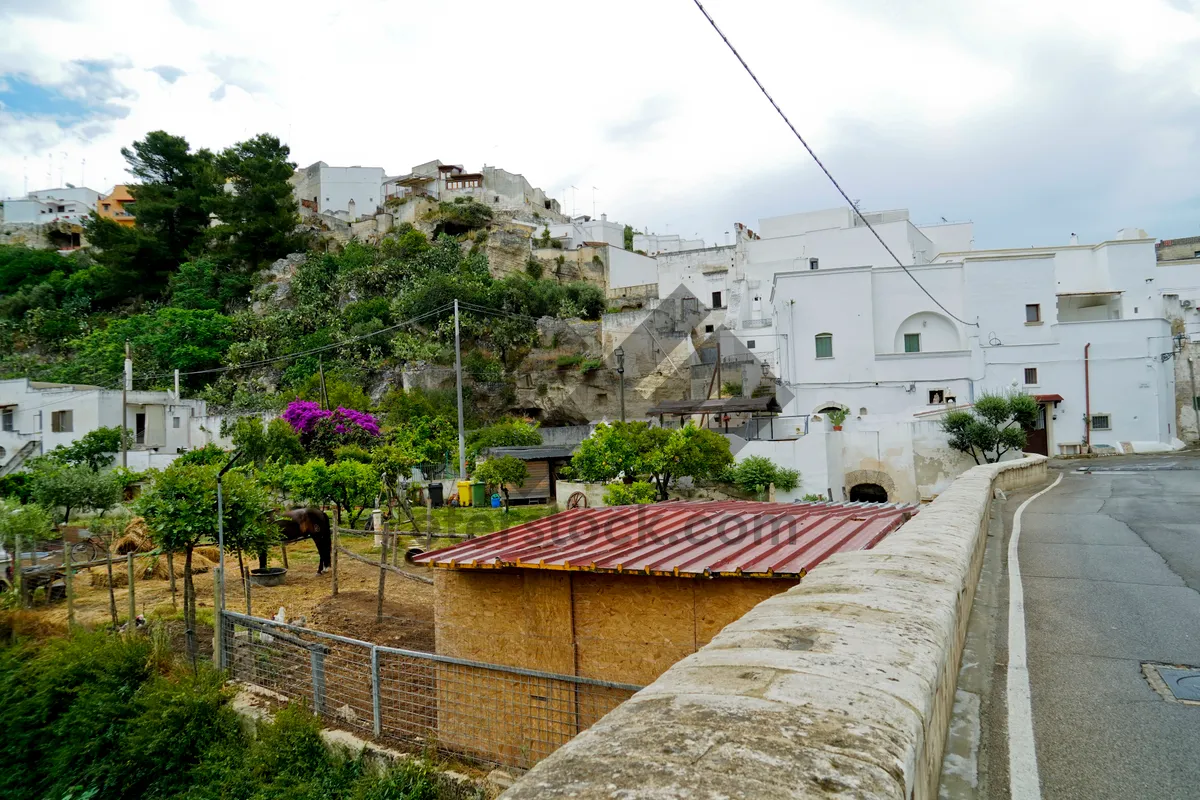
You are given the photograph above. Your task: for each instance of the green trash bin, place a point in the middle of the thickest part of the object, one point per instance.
(479, 497)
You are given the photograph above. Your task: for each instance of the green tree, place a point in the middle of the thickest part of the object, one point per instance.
(180, 509)
(162, 341)
(629, 238)
(274, 441)
(630, 494)
(29, 521)
(994, 426)
(95, 449)
(201, 285)
(755, 473)
(503, 472)
(211, 454)
(689, 451)
(350, 486)
(258, 217)
(506, 433)
(56, 485)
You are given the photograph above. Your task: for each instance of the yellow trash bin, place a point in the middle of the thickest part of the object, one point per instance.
(464, 493)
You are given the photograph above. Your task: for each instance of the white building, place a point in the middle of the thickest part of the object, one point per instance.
(582, 230)
(349, 192)
(36, 417)
(68, 204)
(652, 243)
(492, 186)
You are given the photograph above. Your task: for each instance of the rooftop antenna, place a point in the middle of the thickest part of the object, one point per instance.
(593, 202)
(25, 173)
(83, 172)
(61, 165)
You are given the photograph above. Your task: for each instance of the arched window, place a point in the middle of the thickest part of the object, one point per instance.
(824, 345)
(868, 493)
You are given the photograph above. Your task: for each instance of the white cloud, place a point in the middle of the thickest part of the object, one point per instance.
(954, 108)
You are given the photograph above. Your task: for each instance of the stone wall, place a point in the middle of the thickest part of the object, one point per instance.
(841, 686)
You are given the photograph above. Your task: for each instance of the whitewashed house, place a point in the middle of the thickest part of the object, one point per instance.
(36, 417)
(73, 204)
(345, 192)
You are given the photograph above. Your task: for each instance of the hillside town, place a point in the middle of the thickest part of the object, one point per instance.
(809, 308)
(716, 426)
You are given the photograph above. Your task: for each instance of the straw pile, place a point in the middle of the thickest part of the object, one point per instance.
(136, 538)
(211, 553)
(157, 568)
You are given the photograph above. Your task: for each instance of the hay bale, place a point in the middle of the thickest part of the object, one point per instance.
(135, 540)
(157, 568)
(213, 554)
(99, 577)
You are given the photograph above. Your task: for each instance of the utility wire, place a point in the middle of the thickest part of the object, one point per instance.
(828, 174)
(321, 349)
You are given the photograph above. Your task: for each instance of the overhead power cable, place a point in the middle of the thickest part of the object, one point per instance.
(828, 174)
(290, 356)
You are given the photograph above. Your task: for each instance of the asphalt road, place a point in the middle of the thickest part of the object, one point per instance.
(1110, 563)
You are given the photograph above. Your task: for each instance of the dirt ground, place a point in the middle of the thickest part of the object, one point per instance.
(407, 608)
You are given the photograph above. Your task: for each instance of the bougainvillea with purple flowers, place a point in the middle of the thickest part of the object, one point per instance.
(321, 431)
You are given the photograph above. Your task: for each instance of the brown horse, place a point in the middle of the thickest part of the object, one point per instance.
(303, 523)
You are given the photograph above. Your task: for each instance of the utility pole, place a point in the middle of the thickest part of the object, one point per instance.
(324, 393)
(126, 385)
(176, 386)
(462, 441)
(620, 354)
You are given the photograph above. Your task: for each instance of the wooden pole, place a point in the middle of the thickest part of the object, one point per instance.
(17, 566)
(112, 595)
(219, 617)
(283, 548)
(333, 557)
(171, 576)
(428, 522)
(383, 554)
(245, 581)
(132, 592)
(70, 582)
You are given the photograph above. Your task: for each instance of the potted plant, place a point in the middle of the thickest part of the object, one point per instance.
(837, 418)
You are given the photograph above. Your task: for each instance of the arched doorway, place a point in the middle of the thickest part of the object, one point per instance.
(868, 493)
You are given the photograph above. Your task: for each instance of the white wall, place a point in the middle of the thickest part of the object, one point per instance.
(626, 268)
(25, 211)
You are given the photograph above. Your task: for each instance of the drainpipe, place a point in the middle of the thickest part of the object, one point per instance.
(1087, 399)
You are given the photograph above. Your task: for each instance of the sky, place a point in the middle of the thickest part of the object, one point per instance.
(1035, 119)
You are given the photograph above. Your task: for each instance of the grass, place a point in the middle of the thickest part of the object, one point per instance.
(564, 362)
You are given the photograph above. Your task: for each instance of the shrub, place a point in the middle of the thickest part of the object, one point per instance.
(629, 494)
(815, 498)
(590, 365)
(205, 456)
(565, 362)
(756, 473)
(731, 389)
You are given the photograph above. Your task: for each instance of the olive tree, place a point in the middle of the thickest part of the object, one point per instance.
(994, 426)
(180, 509)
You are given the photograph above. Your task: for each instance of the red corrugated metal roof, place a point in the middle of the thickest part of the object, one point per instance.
(734, 538)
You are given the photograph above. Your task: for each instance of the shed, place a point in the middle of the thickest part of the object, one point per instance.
(757, 408)
(620, 594)
(616, 596)
(543, 463)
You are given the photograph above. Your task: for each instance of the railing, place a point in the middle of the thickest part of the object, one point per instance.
(757, 323)
(490, 713)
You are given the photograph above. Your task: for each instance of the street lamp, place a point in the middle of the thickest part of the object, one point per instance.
(620, 355)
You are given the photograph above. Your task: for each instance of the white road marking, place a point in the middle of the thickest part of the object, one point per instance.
(1022, 756)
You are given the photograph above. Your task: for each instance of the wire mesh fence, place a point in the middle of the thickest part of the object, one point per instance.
(490, 713)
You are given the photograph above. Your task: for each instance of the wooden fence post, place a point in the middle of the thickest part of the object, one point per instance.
(428, 522)
(17, 569)
(132, 592)
(383, 551)
(112, 595)
(171, 576)
(283, 548)
(70, 583)
(333, 557)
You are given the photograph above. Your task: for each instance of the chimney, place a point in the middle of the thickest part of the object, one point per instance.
(604, 217)
(1074, 239)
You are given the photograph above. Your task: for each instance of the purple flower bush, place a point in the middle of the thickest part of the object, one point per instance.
(321, 432)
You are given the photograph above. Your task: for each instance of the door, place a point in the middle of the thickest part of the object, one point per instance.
(1036, 440)
(139, 428)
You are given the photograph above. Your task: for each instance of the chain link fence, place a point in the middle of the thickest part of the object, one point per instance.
(422, 702)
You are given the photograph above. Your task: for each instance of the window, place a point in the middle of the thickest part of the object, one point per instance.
(1033, 312)
(61, 422)
(1196, 254)
(708, 328)
(601, 397)
(814, 263)
(1101, 422)
(1195, 404)
(6, 419)
(717, 300)
(749, 344)
(1031, 376)
(824, 345)
(174, 422)
(912, 342)
(937, 397)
